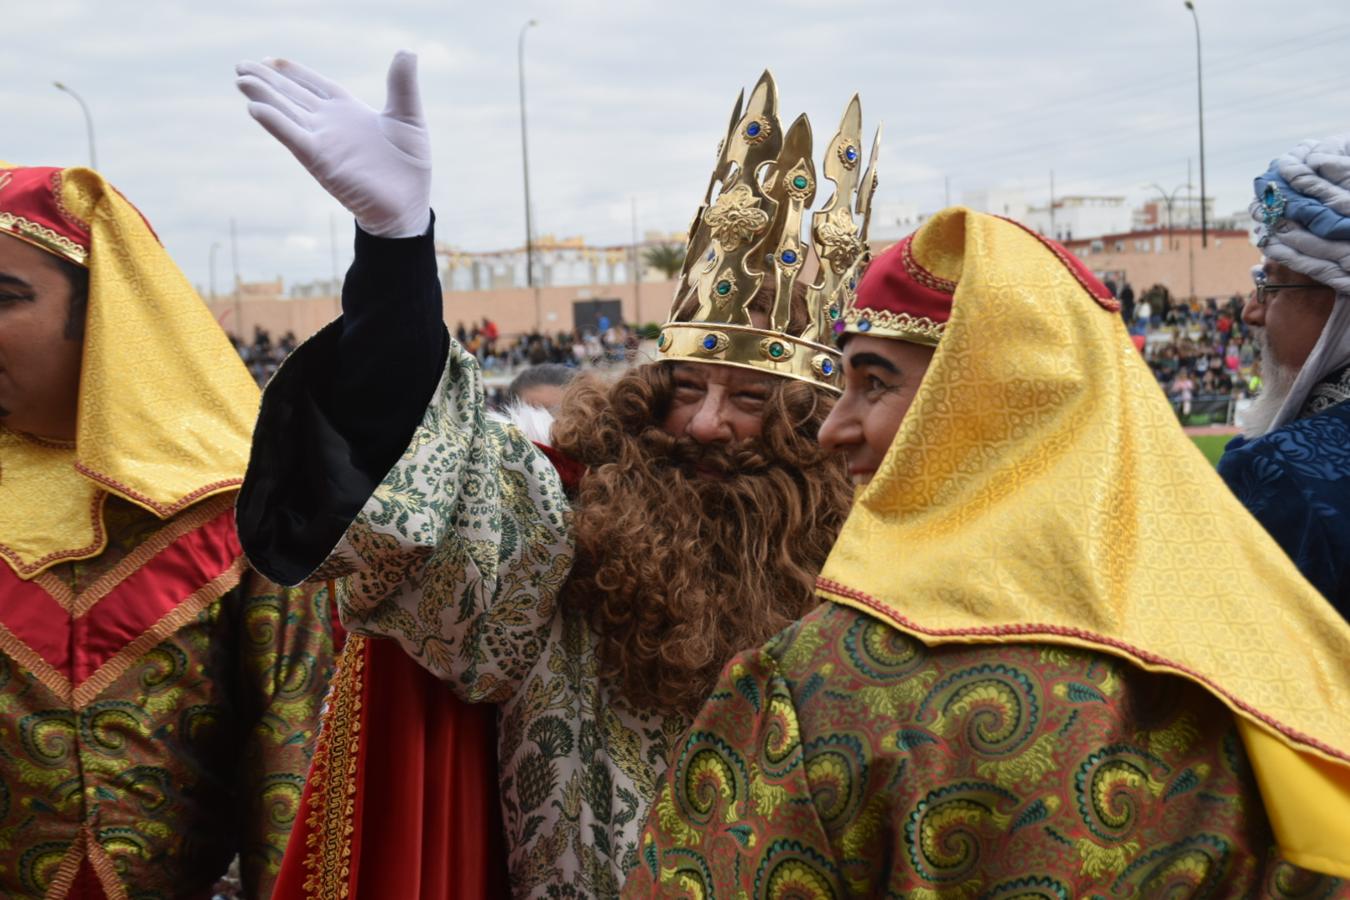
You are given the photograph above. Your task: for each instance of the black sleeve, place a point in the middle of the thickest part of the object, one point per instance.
(343, 407)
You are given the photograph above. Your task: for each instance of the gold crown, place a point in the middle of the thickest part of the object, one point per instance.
(753, 233)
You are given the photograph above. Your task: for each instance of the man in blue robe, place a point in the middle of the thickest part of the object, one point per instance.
(1291, 466)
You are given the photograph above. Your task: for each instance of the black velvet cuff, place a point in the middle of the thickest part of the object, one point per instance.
(341, 410)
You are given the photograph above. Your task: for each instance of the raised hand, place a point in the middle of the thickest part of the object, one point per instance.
(376, 164)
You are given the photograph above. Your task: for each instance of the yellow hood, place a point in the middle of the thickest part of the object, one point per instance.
(1040, 489)
(166, 407)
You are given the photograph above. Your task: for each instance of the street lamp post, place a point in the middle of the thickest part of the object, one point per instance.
(88, 121)
(215, 245)
(1168, 201)
(525, 166)
(1200, 102)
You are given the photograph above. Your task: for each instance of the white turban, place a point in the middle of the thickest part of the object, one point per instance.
(1303, 203)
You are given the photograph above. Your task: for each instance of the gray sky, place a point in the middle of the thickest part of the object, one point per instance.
(628, 100)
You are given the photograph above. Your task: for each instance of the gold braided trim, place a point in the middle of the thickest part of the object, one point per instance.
(69, 868)
(32, 662)
(922, 275)
(106, 870)
(61, 592)
(43, 238)
(131, 563)
(89, 689)
(332, 777)
(25, 569)
(900, 325)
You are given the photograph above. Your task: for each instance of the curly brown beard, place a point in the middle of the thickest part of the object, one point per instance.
(688, 553)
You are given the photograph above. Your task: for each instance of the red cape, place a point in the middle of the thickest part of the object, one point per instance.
(401, 799)
(412, 812)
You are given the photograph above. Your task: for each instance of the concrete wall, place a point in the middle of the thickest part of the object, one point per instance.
(513, 309)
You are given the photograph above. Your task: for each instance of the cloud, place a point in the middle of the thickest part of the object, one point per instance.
(630, 100)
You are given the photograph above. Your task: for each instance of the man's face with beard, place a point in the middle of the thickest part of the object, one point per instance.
(1291, 318)
(1286, 323)
(715, 404)
(706, 513)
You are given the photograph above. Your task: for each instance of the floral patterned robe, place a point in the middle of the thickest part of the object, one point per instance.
(157, 709)
(460, 556)
(848, 759)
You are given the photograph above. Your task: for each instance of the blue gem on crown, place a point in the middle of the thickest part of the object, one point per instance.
(851, 153)
(864, 324)
(752, 130)
(710, 343)
(827, 368)
(788, 257)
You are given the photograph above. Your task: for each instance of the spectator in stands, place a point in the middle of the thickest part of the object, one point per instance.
(1183, 392)
(1291, 468)
(542, 386)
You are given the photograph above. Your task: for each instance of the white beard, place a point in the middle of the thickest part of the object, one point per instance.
(1276, 382)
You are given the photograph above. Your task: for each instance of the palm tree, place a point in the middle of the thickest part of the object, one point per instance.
(668, 259)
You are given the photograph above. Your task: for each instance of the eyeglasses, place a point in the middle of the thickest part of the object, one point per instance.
(1266, 288)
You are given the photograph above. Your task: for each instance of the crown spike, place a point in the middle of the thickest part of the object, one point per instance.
(868, 186)
(752, 233)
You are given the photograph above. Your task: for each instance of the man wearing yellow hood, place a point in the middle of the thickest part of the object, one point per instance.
(157, 699)
(1057, 659)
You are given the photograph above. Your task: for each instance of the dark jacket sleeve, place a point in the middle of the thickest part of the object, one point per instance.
(342, 408)
(1300, 515)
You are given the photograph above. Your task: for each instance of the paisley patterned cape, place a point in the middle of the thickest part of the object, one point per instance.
(1071, 665)
(157, 708)
(848, 759)
(1296, 482)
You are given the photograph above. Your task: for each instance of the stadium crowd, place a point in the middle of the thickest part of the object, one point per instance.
(1202, 354)
(1200, 351)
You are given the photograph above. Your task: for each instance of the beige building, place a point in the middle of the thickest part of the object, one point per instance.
(1146, 258)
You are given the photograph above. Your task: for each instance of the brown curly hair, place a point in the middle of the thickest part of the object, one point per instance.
(677, 571)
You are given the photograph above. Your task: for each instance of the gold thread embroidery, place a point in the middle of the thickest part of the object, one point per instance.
(93, 548)
(885, 323)
(29, 659)
(58, 196)
(162, 510)
(136, 559)
(180, 615)
(43, 237)
(922, 275)
(330, 824)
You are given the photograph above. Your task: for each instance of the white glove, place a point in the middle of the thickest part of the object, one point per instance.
(377, 165)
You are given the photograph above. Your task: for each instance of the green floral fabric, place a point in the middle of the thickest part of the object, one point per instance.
(460, 556)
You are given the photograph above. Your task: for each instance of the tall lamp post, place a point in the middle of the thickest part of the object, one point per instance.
(525, 165)
(1168, 201)
(88, 121)
(1200, 101)
(215, 245)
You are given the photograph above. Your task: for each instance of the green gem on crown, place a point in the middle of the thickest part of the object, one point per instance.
(834, 312)
(723, 288)
(776, 350)
(800, 182)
